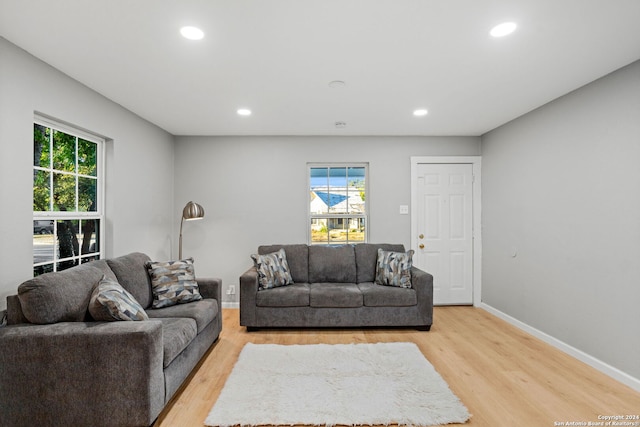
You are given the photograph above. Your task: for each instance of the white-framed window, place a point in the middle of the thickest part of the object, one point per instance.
(338, 203)
(68, 196)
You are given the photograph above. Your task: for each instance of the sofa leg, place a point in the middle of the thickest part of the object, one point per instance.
(424, 327)
(251, 329)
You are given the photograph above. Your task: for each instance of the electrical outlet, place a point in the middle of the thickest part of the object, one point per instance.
(404, 209)
(231, 290)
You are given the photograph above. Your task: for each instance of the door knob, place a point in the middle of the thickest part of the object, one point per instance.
(421, 236)
(421, 246)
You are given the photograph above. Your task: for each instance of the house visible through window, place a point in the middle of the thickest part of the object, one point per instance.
(67, 191)
(337, 203)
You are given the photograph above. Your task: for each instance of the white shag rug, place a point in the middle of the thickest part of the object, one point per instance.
(341, 384)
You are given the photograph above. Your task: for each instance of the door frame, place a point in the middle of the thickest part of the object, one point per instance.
(476, 167)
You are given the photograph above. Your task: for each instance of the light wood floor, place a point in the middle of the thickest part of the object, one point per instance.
(504, 376)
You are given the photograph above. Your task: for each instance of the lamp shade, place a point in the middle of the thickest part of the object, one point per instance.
(192, 211)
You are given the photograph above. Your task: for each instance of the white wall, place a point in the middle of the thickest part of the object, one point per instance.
(561, 186)
(139, 176)
(254, 190)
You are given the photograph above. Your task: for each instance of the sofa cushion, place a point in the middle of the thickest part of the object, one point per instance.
(296, 295)
(203, 312)
(394, 268)
(297, 258)
(273, 269)
(110, 301)
(387, 296)
(177, 334)
(335, 295)
(173, 282)
(132, 274)
(367, 258)
(59, 297)
(333, 264)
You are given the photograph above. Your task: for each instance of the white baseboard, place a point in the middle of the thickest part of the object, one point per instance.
(227, 304)
(598, 364)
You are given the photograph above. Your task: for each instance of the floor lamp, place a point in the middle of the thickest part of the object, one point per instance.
(191, 211)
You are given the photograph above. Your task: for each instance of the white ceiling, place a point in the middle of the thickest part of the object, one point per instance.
(277, 58)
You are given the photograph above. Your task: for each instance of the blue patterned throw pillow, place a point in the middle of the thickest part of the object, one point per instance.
(110, 301)
(273, 270)
(173, 282)
(394, 268)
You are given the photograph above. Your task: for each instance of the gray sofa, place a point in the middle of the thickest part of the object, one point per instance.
(65, 369)
(335, 287)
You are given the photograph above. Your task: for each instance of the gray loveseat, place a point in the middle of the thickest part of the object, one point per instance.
(60, 367)
(335, 287)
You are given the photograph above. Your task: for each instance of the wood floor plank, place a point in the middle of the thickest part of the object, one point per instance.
(503, 375)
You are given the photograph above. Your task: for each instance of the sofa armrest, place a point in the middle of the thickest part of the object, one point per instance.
(81, 373)
(248, 291)
(14, 311)
(422, 282)
(211, 287)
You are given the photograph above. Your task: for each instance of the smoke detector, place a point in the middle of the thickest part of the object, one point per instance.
(337, 84)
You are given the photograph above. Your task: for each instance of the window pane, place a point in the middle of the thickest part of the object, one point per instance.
(64, 192)
(41, 146)
(87, 192)
(337, 177)
(89, 240)
(41, 269)
(356, 190)
(356, 230)
(318, 205)
(319, 177)
(63, 265)
(319, 186)
(43, 243)
(356, 173)
(41, 191)
(346, 230)
(337, 196)
(87, 259)
(67, 238)
(337, 230)
(64, 151)
(87, 157)
(319, 231)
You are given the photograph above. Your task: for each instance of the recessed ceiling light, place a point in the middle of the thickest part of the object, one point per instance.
(192, 33)
(420, 112)
(503, 29)
(244, 112)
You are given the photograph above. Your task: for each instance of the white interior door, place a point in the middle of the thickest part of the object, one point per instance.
(444, 229)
